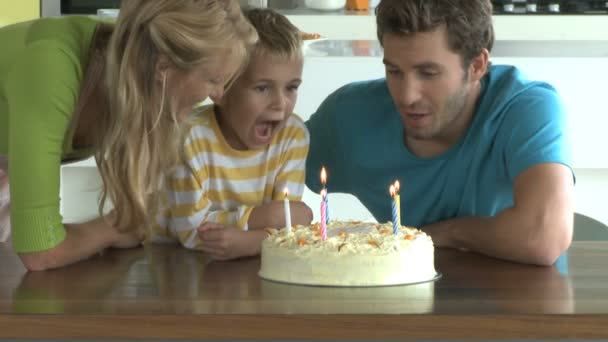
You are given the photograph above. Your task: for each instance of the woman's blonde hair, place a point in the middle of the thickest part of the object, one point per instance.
(139, 140)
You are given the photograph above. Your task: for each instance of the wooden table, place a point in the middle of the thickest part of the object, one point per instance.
(171, 293)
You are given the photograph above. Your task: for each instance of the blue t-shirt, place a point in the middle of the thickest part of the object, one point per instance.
(357, 134)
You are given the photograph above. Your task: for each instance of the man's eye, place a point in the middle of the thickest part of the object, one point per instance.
(429, 74)
(393, 71)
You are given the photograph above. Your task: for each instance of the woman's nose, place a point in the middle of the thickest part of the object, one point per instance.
(217, 93)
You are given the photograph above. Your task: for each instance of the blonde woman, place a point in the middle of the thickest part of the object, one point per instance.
(73, 87)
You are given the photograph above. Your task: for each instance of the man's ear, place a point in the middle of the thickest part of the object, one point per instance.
(161, 67)
(479, 65)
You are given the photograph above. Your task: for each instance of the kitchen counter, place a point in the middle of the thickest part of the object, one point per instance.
(362, 25)
(501, 48)
(343, 24)
(168, 292)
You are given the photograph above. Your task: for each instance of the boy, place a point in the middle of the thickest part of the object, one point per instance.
(242, 153)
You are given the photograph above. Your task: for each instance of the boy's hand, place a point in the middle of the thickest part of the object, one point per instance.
(272, 215)
(300, 213)
(225, 242)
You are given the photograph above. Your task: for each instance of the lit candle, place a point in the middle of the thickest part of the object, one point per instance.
(391, 190)
(323, 181)
(398, 203)
(323, 215)
(287, 211)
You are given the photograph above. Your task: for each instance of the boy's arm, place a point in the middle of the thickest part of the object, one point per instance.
(291, 175)
(189, 207)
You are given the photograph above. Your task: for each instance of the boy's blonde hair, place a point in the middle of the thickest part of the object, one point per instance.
(139, 137)
(277, 35)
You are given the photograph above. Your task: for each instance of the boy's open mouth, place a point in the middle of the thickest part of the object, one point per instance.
(264, 131)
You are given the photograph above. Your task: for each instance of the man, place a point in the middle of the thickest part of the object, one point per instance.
(481, 152)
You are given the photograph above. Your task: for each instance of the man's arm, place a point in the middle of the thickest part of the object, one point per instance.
(536, 230)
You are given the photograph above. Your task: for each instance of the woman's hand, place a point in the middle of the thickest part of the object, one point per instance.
(123, 238)
(225, 242)
(128, 239)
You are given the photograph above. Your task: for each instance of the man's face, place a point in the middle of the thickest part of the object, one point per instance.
(428, 84)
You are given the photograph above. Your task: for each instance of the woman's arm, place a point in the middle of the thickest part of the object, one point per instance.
(81, 242)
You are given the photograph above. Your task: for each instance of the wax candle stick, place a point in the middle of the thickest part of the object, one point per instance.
(323, 215)
(394, 209)
(324, 181)
(287, 210)
(398, 202)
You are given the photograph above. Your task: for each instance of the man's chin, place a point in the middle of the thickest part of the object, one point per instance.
(419, 133)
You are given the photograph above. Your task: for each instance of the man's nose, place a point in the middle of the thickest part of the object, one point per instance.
(409, 92)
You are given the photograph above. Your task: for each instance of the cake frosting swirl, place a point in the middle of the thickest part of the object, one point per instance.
(354, 254)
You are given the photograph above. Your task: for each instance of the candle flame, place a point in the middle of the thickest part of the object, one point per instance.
(396, 186)
(392, 190)
(286, 192)
(323, 175)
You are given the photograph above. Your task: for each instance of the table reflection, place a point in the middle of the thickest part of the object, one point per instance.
(172, 280)
(494, 285)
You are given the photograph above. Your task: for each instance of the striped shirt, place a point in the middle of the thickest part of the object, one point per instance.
(223, 185)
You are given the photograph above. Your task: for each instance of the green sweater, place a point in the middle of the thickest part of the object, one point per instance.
(41, 67)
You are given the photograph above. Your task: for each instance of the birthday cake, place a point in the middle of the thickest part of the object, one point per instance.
(353, 254)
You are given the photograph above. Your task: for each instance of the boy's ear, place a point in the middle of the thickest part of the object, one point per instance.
(161, 67)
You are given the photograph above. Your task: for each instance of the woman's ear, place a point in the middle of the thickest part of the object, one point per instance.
(161, 68)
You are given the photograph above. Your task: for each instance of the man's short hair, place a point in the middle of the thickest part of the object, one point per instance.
(468, 23)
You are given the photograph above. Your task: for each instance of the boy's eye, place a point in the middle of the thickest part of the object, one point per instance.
(293, 87)
(261, 88)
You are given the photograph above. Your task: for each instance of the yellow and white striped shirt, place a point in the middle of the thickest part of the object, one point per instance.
(223, 184)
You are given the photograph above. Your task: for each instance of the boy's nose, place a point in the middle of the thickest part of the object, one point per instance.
(279, 102)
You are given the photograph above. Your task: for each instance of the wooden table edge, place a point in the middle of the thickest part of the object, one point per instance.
(237, 326)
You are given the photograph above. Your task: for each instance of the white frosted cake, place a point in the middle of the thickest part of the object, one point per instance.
(354, 254)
